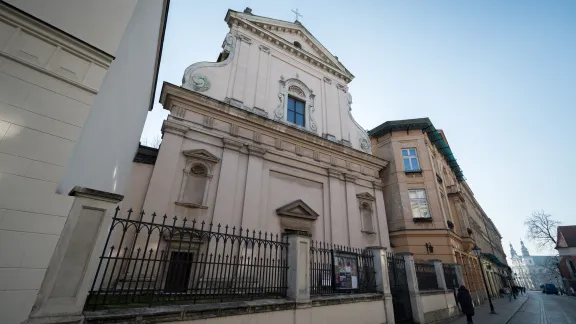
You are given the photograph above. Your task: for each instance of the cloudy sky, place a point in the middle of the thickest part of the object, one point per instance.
(499, 77)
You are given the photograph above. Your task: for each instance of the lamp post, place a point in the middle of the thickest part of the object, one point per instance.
(478, 253)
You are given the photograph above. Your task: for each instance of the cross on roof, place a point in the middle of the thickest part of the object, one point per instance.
(297, 14)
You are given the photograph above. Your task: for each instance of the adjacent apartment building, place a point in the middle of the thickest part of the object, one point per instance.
(430, 208)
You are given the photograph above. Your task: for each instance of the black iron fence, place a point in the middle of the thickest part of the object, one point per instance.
(426, 275)
(336, 269)
(450, 276)
(399, 288)
(156, 260)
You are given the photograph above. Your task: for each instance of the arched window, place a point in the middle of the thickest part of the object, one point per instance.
(366, 213)
(296, 104)
(298, 45)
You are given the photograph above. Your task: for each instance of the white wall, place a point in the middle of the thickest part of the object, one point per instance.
(48, 82)
(100, 23)
(358, 313)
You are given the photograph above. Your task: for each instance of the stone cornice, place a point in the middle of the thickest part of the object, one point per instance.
(174, 128)
(378, 185)
(335, 173)
(350, 178)
(232, 144)
(172, 96)
(256, 150)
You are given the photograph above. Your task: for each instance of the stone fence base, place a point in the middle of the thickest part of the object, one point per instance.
(341, 309)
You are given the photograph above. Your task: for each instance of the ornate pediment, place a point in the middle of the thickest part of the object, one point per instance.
(365, 196)
(298, 209)
(201, 154)
(283, 34)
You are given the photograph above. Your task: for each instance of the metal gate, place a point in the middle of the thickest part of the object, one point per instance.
(399, 288)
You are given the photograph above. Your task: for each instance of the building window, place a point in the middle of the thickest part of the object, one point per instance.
(298, 45)
(410, 160)
(571, 267)
(419, 203)
(296, 111)
(196, 184)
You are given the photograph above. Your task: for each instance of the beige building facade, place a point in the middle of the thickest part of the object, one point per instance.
(431, 210)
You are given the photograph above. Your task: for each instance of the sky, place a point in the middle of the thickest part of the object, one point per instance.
(499, 77)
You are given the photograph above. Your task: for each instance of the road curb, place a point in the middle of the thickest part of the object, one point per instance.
(509, 318)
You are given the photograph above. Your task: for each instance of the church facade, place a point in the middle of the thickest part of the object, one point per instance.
(264, 139)
(532, 271)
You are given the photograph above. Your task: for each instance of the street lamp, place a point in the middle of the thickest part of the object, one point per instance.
(478, 253)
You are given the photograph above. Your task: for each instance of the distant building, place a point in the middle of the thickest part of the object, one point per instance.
(566, 247)
(532, 271)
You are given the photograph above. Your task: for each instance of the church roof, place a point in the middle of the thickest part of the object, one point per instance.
(566, 236)
(277, 27)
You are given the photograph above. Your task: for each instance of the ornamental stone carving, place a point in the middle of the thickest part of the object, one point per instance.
(193, 81)
(365, 145)
(200, 82)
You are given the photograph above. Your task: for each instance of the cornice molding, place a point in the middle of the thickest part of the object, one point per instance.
(232, 144)
(265, 32)
(174, 95)
(174, 128)
(256, 150)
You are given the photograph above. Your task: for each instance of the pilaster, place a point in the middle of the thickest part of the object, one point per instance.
(381, 219)
(158, 194)
(73, 265)
(227, 181)
(415, 298)
(298, 268)
(383, 280)
(439, 269)
(253, 189)
(352, 210)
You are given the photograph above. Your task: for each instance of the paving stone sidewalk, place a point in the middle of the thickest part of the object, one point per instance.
(505, 309)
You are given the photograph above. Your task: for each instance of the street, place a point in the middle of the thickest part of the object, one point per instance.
(532, 308)
(543, 309)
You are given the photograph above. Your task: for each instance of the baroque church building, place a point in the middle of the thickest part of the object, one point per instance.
(264, 139)
(532, 271)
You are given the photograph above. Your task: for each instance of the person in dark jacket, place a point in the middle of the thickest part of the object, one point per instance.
(465, 301)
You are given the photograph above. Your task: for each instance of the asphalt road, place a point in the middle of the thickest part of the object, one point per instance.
(546, 309)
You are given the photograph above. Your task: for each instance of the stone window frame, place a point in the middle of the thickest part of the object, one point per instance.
(366, 202)
(199, 164)
(288, 88)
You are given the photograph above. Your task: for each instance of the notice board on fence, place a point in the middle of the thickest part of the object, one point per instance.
(345, 270)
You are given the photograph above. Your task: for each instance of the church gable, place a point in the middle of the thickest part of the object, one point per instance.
(292, 32)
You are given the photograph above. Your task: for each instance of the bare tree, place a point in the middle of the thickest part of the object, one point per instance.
(542, 229)
(154, 142)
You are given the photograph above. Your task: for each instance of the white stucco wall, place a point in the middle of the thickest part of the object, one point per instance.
(360, 313)
(48, 82)
(100, 23)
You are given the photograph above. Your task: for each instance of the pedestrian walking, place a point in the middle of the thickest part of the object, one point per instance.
(509, 292)
(465, 301)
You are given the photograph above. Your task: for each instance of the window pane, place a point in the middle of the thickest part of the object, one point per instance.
(291, 103)
(415, 165)
(299, 107)
(290, 116)
(404, 152)
(417, 194)
(415, 209)
(413, 152)
(424, 209)
(407, 165)
(300, 119)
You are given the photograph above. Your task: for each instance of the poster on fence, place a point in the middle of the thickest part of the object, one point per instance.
(345, 270)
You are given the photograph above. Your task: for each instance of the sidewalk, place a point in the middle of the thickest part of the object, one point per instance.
(505, 309)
